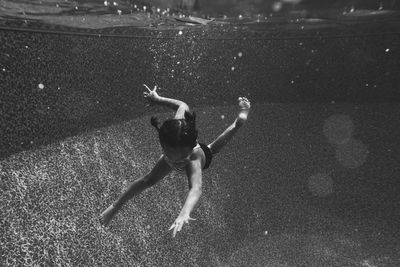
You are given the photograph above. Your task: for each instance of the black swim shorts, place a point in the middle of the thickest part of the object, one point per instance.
(208, 154)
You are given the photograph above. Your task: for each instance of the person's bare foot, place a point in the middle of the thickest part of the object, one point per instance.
(107, 215)
(244, 105)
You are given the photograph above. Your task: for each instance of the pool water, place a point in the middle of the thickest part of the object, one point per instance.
(310, 180)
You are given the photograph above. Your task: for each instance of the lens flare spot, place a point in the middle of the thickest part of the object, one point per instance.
(277, 6)
(338, 129)
(352, 154)
(320, 184)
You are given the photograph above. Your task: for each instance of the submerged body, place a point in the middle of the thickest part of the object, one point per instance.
(182, 152)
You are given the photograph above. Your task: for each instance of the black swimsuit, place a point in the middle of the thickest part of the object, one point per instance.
(208, 154)
(180, 165)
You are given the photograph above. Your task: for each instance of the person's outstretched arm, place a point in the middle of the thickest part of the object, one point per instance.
(179, 106)
(195, 177)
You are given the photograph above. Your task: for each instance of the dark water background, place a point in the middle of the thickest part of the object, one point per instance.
(311, 180)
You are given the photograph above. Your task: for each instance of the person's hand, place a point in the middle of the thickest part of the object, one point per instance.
(179, 222)
(151, 95)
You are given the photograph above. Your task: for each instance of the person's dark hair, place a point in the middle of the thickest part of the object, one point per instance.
(177, 132)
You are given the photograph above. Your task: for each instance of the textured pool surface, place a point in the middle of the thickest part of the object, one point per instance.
(310, 180)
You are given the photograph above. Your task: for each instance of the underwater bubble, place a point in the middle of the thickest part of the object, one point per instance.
(233, 68)
(320, 184)
(338, 129)
(240, 16)
(41, 86)
(222, 117)
(119, 12)
(144, 8)
(105, 3)
(180, 32)
(240, 54)
(76, 8)
(352, 154)
(158, 10)
(4, 69)
(387, 50)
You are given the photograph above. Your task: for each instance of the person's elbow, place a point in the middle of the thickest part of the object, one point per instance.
(197, 190)
(183, 107)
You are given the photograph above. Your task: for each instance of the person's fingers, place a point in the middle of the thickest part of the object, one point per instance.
(180, 227)
(175, 229)
(155, 88)
(147, 87)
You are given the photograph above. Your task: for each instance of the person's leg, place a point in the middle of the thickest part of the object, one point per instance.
(159, 171)
(227, 135)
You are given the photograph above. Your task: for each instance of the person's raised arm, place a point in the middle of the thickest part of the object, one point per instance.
(154, 98)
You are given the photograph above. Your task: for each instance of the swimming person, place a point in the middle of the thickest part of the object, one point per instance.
(182, 152)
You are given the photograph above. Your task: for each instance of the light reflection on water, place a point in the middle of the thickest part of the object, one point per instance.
(101, 14)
